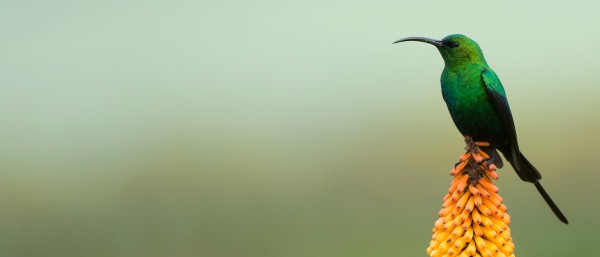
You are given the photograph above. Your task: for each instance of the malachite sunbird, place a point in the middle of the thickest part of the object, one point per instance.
(479, 108)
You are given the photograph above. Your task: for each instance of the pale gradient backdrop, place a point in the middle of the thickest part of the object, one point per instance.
(279, 128)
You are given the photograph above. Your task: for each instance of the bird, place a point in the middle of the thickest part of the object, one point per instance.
(479, 107)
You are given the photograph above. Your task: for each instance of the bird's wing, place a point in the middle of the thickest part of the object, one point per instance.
(497, 96)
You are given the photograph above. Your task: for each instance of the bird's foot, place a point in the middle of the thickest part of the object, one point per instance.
(492, 157)
(487, 162)
(471, 145)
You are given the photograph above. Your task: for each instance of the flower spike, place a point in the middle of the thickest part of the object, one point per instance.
(473, 220)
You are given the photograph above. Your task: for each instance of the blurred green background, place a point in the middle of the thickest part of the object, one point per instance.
(279, 128)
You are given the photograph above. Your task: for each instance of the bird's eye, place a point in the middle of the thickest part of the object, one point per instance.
(451, 44)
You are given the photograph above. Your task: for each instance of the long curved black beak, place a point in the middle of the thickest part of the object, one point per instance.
(421, 39)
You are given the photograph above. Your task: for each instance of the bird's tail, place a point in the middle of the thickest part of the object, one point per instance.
(551, 203)
(527, 172)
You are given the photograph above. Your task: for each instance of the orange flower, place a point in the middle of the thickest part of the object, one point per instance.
(473, 221)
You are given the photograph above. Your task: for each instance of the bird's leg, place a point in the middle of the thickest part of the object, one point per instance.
(471, 146)
(492, 158)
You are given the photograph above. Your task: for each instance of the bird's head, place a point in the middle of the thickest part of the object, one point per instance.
(456, 49)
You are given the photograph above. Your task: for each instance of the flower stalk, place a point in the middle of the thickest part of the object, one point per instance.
(473, 220)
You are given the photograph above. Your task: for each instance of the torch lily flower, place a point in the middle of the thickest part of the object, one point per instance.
(473, 220)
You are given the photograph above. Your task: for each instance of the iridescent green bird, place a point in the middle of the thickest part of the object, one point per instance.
(479, 108)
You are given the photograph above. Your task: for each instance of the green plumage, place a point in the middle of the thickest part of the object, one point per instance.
(468, 104)
(478, 105)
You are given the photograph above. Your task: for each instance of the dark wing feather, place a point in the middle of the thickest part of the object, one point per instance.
(497, 96)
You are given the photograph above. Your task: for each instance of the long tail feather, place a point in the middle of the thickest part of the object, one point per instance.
(527, 172)
(551, 203)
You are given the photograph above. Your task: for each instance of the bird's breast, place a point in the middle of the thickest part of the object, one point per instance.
(470, 108)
